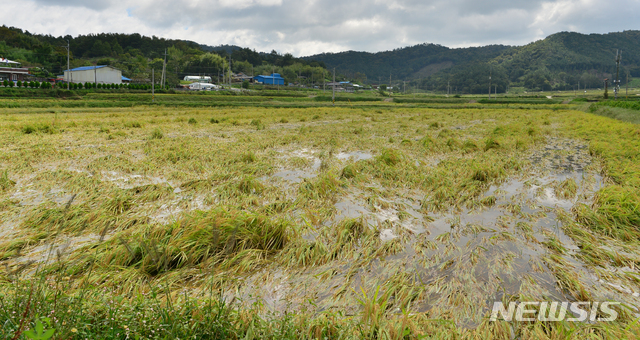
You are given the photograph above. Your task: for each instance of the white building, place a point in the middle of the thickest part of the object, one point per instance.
(88, 74)
(202, 79)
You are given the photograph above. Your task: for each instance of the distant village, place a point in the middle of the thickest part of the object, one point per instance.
(11, 71)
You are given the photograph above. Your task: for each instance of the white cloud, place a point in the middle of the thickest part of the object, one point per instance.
(305, 27)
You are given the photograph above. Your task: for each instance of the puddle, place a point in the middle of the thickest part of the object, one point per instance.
(168, 212)
(354, 156)
(298, 175)
(131, 181)
(53, 251)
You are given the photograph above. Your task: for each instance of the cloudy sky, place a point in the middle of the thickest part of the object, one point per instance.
(306, 27)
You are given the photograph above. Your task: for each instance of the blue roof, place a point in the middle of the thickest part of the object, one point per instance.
(125, 78)
(274, 75)
(85, 68)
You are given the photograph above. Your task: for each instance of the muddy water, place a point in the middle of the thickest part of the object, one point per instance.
(461, 261)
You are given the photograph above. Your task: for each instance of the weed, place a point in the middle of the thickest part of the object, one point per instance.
(192, 121)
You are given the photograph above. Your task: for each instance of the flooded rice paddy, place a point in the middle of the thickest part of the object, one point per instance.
(443, 212)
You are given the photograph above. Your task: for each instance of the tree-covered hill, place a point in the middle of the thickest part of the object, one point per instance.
(137, 55)
(560, 61)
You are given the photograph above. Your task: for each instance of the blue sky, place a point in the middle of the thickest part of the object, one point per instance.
(306, 27)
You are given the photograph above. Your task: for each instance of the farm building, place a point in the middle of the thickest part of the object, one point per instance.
(9, 72)
(102, 74)
(274, 79)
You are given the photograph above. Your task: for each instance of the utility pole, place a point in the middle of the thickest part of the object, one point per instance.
(324, 82)
(448, 87)
(616, 85)
(333, 85)
(164, 67)
(229, 73)
(490, 71)
(153, 85)
(68, 47)
(95, 77)
(390, 84)
(495, 94)
(627, 94)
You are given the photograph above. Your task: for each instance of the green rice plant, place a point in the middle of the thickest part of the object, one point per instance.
(133, 124)
(249, 157)
(374, 309)
(5, 182)
(469, 146)
(453, 144)
(445, 133)
(349, 171)
(615, 212)
(192, 121)
(491, 143)
(211, 236)
(390, 157)
(257, 123)
(250, 185)
(157, 134)
(322, 187)
(214, 121)
(303, 253)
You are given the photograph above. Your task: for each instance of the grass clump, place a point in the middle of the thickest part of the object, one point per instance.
(390, 157)
(491, 143)
(5, 182)
(349, 171)
(41, 128)
(192, 121)
(216, 237)
(214, 121)
(469, 146)
(134, 124)
(157, 134)
(258, 124)
(615, 212)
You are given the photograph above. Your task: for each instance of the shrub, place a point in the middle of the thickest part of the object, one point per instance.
(11, 84)
(19, 84)
(5, 82)
(245, 84)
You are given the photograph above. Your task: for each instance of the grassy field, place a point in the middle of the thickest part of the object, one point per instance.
(272, 216)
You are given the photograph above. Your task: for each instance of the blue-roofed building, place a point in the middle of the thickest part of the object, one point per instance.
(101, 74)
(273, 79)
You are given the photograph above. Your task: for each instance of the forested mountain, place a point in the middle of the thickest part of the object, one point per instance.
(138, 55)
(560, 61)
